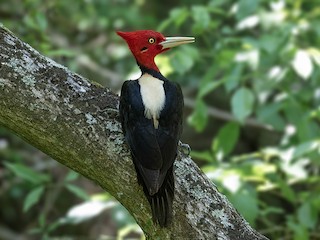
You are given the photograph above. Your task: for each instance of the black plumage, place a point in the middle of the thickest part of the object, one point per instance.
(153, 149)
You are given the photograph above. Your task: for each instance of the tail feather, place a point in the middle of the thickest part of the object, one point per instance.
(161, 202)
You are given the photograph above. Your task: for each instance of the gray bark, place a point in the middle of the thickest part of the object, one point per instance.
(76, 122)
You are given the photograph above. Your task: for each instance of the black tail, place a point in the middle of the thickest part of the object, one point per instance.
(161, 202)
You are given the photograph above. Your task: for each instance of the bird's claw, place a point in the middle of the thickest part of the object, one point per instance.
(184, 148)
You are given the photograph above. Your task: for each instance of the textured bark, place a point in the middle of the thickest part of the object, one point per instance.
(76, 122)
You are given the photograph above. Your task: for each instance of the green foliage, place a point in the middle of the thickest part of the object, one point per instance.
(199, 117)
(27, 173)
(77, 191)
(32, 198)
(257, 62)
(226, 139)
(262, 60)
(242, 103)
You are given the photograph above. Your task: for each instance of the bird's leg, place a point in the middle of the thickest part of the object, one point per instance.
(184, 148)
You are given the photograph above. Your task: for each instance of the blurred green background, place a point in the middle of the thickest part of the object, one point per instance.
(251, 83)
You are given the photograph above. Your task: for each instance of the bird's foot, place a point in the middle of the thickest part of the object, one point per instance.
(185, 149)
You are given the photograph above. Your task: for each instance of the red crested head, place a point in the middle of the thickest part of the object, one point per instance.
(144, 45)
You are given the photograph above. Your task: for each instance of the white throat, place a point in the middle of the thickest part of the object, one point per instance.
(153, 97)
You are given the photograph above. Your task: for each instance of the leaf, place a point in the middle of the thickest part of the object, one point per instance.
(246, 202)
(307, 129)
(273, 43)
(242, 103)
(269, 43)
(199, 117)
(315, 54)
(307, 216)
(226, 139)
(286, 190)
(27, 173)
(302, 64)
(300, 231)
(251, 57)
(305, 148)
(72, 175)
(246, 8)
(41, 21)
(209, 87)
(234, 78)
(201, 17)
(207, 82)
(270, 114)
(183, 59)
(248, 22)
(77, 191)
(179, 15)
(32, 198)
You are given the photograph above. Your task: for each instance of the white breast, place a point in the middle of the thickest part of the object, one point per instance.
(153, 97)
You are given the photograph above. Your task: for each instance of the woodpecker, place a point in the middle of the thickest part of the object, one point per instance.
(151, 116)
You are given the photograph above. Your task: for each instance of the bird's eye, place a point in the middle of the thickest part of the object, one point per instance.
(151, 40)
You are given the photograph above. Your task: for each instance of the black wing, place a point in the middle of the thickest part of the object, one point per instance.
(170, 125)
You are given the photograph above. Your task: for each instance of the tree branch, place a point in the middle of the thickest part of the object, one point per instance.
(226, 116)
(76, 122)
